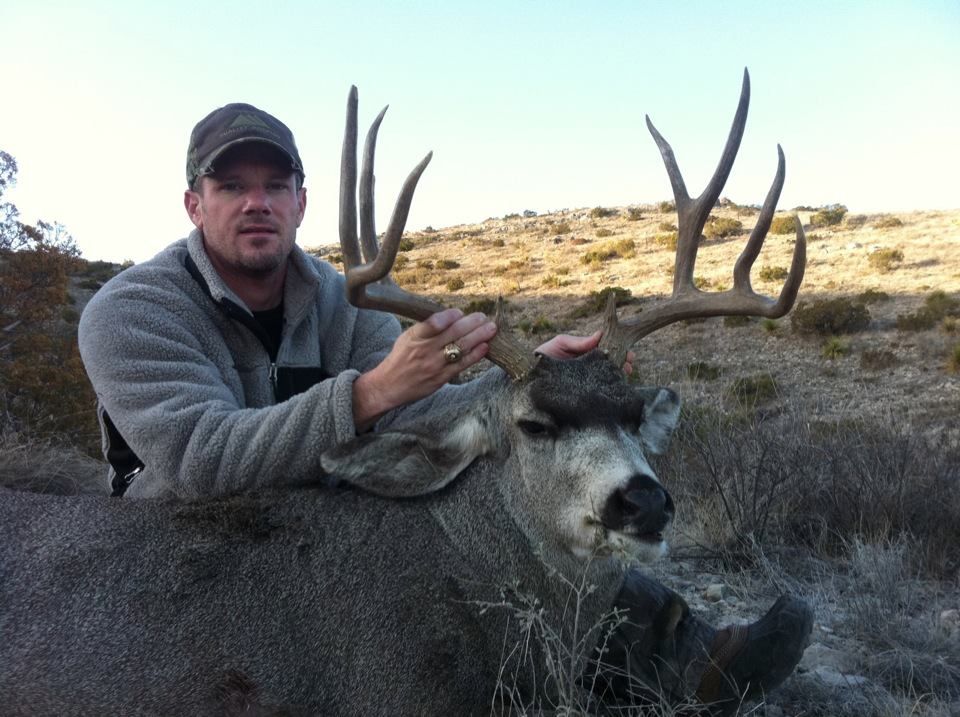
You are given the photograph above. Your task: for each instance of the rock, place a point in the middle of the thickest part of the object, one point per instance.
(715, 592)
(832, 678)
(950, 620)
(818, 656)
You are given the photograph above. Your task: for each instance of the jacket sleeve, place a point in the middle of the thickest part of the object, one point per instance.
(154, 376)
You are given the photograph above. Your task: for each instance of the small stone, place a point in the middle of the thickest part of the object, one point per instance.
(715, 592)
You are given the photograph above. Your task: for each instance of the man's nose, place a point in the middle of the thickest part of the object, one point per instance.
(256, 201)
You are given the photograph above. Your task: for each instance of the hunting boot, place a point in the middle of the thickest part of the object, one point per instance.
(660, 653)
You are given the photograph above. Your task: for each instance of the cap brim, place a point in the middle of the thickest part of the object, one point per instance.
(207, 168)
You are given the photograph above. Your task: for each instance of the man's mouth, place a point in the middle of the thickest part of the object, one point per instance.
(258, 229)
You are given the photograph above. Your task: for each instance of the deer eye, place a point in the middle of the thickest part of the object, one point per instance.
(533, 428)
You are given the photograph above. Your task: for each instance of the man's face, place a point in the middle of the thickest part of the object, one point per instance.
(248, 210)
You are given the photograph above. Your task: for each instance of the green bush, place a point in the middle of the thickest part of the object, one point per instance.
(619, 249)
(700, 371)
(773, 273)
(942, 304)
(834, 348)
(953, 359)
(885, 260)
(829, 317)
(634, 214)
(873, 296)
(920, 320)
(770, 325)
(602, 212)
(828, 216)
(721, 227)
(540, 325)
(784, 225)
(405, 245)
(447, 264)
(597, 301)
(484, 306)
(666, 207)
(455, 284)
(854, 221)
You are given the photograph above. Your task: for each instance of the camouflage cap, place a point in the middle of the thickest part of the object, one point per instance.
(231, 125)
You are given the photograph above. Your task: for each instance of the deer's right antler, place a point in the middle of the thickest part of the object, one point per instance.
(369, 285)
(687, 300)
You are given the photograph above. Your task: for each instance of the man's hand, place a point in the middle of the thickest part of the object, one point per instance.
(565, 346)
(416, 366)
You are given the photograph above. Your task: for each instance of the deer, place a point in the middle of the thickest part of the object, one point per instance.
(382, 588)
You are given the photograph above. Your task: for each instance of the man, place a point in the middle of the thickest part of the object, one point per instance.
(231, 361)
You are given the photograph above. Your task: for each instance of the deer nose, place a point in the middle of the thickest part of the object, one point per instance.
(642, 507)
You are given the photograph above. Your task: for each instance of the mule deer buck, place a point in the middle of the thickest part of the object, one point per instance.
(363, 597)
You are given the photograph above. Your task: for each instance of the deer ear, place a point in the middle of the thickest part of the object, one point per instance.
(403, 464)
(661, 413)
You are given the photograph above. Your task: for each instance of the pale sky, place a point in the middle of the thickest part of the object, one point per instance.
(526, 105)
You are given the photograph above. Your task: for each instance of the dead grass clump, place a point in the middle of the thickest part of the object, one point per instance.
(878, 359)
(484, 306)
(830, 317)
(667, 240)
(887, 222)
(455, 284)
(749, 391)
(45, 467)
(562, 228)
(667, 227)
(885, 260)
(701, 371)
(447, 264)
(604, 232)
(665, 207)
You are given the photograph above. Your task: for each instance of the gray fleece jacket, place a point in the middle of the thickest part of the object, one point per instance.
(182, 376)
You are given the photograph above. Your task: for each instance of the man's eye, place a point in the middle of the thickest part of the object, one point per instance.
(533, 428)
(278, 187)
(230, 186)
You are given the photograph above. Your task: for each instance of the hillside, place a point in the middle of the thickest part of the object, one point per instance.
(545, 267)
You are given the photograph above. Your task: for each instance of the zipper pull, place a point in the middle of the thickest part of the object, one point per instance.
(272, 374)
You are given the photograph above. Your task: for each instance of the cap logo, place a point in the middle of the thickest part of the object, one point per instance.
(245, 120)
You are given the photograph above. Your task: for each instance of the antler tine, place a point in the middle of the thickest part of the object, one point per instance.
(687, 300)
(368, 284)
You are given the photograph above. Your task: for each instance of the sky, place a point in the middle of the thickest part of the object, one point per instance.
(525, 104)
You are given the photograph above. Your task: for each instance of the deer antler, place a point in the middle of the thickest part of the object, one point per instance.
(369, 285)
(687, 300)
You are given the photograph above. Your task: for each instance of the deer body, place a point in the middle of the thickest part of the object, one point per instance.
(331, 600)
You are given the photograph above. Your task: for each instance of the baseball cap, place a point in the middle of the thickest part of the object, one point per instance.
(231, 125)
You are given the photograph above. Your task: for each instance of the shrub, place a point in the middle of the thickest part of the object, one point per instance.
(511, 215)
(854, 221)
(942, 304)
(885, 260)
(498, 243)
(721, 227)
(619, 249)
(749, 391)
(540, 325)
(447, 264)
(424, 263)
(773, 273)
(634, 214)
(919, 320)
(878, 359)
(604, 232)
(829, 317)
(834, 348)
(887, 222)
(770, 325)
(784, 225)
(736, 321)
(562, 228)
(873, 296)
(405, 244)
(597, 301)
(953, 359)
(828, 216)
(949, 325)
(602, 212)
(700, 371)
(553, 281)
(484, 306)
(70, 314)
(667, 241)
(666, 206)
(455, 284)
(667, 227)
(399, 263)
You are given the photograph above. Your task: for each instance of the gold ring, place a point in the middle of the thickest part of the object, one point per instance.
(452, 353)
